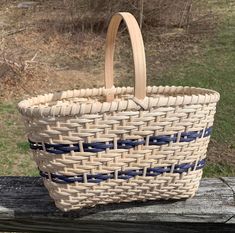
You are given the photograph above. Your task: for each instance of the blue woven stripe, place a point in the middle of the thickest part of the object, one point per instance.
(184, 137)
(121, 144)
(125, 175)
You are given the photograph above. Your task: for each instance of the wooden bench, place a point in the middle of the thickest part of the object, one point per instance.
(26, 207)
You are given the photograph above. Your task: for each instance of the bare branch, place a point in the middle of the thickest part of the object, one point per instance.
(141, 13)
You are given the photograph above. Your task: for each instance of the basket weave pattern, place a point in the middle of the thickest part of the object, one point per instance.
(169, 123)
(131, 147)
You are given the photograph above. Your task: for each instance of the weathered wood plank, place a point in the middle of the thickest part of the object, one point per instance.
(26, 206)
(70, 226)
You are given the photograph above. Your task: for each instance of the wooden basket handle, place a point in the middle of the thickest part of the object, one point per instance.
(138, 53)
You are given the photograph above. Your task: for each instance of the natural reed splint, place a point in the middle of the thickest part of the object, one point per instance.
(97, 146)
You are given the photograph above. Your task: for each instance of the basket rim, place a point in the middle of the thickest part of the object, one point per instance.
(166, 96)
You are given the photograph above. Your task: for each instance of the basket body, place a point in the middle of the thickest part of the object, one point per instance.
(104, 153)
(106, 145)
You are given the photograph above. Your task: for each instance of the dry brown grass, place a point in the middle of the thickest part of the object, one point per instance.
(93, 16)
(68, 37)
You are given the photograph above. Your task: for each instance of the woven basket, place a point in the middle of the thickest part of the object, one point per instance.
(98, 146)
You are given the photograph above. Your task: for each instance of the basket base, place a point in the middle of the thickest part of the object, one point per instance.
(168, 186)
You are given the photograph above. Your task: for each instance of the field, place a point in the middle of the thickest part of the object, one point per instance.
(40, 55)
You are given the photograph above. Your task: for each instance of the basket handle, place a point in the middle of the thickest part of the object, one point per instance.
(138, 53)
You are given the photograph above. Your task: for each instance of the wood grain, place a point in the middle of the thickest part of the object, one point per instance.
(26, 206)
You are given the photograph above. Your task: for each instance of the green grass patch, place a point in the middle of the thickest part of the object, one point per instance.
(14, 149)
(23, 146)
(214, 69)
(218, 170)
(2, 146)
(7, 108)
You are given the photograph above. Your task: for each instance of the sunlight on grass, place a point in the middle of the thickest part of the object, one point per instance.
(215, 69)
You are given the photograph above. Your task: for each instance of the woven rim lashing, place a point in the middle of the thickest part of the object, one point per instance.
(87, 101)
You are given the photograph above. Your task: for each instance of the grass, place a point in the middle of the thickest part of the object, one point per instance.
(14, 150)
(214, 68)
(218, 170)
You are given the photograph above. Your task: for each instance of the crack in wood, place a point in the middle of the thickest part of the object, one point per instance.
(233, 191)
(225, 182)
(229, 219)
